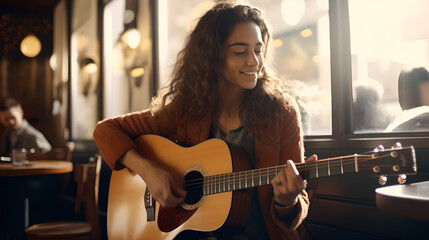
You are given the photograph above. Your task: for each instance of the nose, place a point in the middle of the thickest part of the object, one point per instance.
(252, 59)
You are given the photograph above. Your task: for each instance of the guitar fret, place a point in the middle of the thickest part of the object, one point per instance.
(225, 182)
(220, 183)
(323, 169)
(217, 184)
(356, 163)
(204, 186)
(233, 182)
(213, 184)
(239, 181)
(311, 170)
(317, 170)
(268, 176)
(329, 168)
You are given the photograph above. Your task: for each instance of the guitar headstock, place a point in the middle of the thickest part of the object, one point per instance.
(397, 161)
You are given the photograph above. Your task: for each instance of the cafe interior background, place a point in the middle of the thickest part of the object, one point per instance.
(74, 62)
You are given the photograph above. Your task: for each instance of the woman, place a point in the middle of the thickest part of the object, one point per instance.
(222, 87)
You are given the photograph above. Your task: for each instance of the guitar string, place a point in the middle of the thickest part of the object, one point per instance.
(272, 171)
(321, 164)
(305, 166)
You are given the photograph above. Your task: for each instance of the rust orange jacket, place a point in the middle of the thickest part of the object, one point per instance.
(114, 137)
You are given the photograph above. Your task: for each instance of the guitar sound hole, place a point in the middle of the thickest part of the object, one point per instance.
(194, 187)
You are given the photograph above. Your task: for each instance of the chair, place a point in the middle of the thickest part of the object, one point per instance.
(86, 175)
(57, 153)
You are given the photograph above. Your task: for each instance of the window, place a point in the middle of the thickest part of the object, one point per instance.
(300, 32)
(328, 50)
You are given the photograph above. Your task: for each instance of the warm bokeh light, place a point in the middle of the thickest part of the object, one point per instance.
(278, 43)
(90, 67)
(306, 33)
(316, 59)
(132, 38)
(292, 11)
(31, 46)
(137, 72)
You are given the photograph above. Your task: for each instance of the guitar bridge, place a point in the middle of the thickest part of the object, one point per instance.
(149, 204)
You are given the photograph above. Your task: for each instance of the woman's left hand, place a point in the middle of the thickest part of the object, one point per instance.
(289, 184)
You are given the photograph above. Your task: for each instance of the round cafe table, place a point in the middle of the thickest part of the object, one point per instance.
(30, 194)
(408, 200)
(39, 167)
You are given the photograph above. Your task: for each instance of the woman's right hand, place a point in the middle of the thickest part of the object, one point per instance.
(166, 190)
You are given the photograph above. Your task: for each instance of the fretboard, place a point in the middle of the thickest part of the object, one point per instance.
(259, 177)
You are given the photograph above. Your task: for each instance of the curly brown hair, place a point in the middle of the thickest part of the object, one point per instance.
(199, 65)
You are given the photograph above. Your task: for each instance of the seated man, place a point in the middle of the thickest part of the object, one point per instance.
(18, 132)
(413, 91)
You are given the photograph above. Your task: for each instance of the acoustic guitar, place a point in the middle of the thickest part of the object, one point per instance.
(216, 180)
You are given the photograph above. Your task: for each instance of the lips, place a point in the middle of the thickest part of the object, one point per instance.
(250, 73)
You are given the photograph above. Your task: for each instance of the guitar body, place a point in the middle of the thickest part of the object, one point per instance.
(127, 216)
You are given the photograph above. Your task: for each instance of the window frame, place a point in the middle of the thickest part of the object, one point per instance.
(343, 135)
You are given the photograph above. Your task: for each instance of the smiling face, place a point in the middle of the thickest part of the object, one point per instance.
(243, 56)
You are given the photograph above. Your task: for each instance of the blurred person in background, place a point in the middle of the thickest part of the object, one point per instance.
(369, 113)
(18, 133)
(413, 94)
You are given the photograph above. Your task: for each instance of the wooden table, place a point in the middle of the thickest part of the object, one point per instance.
(408, 200)
(39, 167)
(29, 194)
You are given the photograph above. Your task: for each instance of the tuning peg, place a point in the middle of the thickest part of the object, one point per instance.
(397, 145)
(379, 148)
(402, 178)
(382, 180)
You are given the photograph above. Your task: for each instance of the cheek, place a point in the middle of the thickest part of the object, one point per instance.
(231, 65)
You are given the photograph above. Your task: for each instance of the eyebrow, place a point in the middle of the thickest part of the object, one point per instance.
(243, 44)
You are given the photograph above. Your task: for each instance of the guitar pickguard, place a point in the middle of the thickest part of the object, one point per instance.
(171, 218)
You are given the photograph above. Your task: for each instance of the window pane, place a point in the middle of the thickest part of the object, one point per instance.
(302, 56)
(387, 37)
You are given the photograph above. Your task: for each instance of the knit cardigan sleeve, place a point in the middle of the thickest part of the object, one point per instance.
(115, 136)
(290, 146)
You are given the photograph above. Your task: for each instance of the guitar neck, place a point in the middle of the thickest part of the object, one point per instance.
(263, 176)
